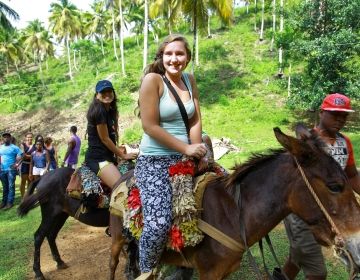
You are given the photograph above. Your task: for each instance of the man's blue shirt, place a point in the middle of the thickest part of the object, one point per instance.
(8, 156)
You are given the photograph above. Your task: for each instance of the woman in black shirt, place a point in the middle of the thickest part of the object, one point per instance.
(102, 118)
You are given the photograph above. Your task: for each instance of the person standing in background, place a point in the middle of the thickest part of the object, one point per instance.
(49, 146)
(27, 147)
(10, 157)
(72, 154)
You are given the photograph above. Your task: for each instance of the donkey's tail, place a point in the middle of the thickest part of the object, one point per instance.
(31, 199)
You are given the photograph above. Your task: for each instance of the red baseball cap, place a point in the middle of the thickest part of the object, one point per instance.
(336, 102)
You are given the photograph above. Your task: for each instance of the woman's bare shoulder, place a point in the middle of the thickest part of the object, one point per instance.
(152, 77)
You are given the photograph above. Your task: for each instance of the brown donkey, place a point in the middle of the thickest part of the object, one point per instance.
(271, 187)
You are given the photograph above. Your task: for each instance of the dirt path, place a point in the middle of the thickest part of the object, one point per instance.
(87, 255)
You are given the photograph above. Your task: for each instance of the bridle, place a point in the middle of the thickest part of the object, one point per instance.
(238, 247)
(338, 240)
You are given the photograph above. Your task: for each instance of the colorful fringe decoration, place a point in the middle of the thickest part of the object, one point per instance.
(184, 231)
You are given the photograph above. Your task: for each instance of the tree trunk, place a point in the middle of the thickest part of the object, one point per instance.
(195, 59)
(17, 69)
(146, 19)
(281, 29)
(114, 33)
(102, 46)
(289, 82)
(255, 16)
(41, 71)
(169, 21)
(7, 66)
(208, 27)
(262, 20)
(273, 26)
(74, 59)
(68, 55)
(122, 39)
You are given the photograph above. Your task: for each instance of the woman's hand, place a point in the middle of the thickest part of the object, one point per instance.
(130, 156)
(196, 150)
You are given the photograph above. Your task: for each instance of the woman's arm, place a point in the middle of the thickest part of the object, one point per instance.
(105, 139)
(31, 168)
(195, 121)
(47, 156)
(56, 155)
(149, 98)
(26, 156)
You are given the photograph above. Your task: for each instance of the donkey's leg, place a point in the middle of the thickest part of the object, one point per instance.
(132, 270)
(117, 243)
(39, 236)
(58, 223)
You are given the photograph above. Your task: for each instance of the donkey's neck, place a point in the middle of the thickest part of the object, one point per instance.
(264, 193)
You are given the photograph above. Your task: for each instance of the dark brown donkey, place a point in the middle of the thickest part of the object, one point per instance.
(271, 188)
(56, 207)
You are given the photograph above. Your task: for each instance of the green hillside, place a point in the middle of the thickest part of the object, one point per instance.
(241, 97)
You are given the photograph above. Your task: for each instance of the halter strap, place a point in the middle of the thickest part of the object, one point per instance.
(339, 240)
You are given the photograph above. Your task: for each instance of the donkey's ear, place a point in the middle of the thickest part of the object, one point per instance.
(302, 132)
(293, 145)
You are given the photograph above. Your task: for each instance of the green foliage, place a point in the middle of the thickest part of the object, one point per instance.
(327, 38)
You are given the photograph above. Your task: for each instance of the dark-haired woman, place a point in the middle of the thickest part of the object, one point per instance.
(102, 117)
(50, 147)
(164, 141)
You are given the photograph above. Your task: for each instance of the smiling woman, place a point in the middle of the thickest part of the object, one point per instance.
(102, 131)
(170, 117)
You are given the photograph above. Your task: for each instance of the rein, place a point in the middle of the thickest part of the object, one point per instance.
(339, 240)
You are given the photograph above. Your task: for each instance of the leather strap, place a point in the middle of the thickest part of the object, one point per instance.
(180, 104)
(224, 239)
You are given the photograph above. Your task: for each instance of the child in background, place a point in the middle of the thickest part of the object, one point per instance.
(40, 161)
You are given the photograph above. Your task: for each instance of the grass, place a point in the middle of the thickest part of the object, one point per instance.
(16, 241)
(240, 99)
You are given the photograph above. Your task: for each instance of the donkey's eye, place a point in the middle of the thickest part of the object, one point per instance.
(335, 188)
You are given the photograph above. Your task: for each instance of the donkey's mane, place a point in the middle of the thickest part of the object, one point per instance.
(314, 143)
(256, 160)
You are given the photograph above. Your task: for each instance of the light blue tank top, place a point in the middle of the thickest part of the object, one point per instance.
(171, 121)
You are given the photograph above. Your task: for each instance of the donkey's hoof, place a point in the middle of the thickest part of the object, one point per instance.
(40, 277)
(62, 266)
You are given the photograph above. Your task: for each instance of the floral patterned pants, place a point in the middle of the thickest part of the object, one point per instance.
(152, 178)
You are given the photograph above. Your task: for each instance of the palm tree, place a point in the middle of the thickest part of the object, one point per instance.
(11, 49)
(273, 25)
(281, 29)
(46, 46)
(121, 31)
(95, 23)
(223, 8)
(31, 37)
(65, 23)
(166, 9)
(5, 11)
(146, 31)
(262, 20)
(197, 10)
(109, 5)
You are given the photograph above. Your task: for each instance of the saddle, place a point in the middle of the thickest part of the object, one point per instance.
(86, 186)
(126, 203)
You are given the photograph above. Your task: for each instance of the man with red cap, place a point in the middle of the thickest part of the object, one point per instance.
(305, 252)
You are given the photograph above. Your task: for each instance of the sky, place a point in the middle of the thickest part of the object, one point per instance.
(29, 10)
